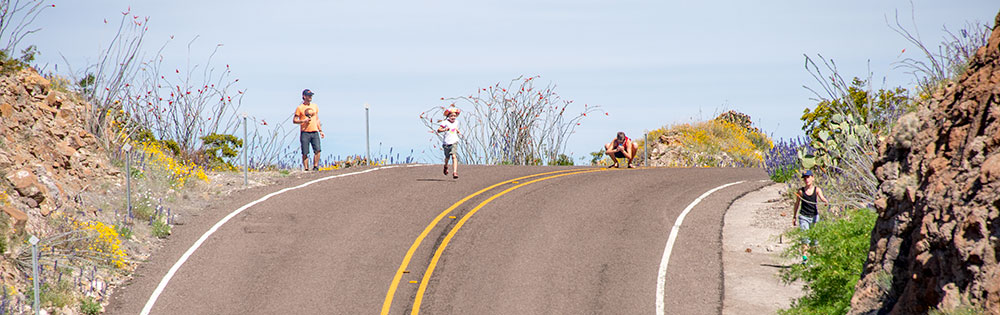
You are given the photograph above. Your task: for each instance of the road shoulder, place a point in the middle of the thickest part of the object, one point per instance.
(751, 254)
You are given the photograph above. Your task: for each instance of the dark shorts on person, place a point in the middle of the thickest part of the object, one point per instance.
(309, 137)
(448, 150)
(620, 155)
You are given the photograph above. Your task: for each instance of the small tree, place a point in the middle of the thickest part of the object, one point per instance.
(515, 123)
(16, 18)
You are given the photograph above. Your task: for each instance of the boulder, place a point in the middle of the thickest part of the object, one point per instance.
(6, 111)
(19, 217)
(27, 184)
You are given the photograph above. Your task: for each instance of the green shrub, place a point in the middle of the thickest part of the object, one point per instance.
(58, 295)
(783, 174)
(964, 309)
(562, 160)
(124, 232)
(89, 306)
(142, 209)
(9, 64)
(219, 148)
(160, 228)
(835, 262)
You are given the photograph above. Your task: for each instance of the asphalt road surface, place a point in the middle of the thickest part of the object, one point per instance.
(564, 241)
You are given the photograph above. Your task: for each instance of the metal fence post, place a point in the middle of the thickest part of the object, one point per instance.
(645, 149)
(128, 179)
(246, 143)
(368, 152)
(34, 271)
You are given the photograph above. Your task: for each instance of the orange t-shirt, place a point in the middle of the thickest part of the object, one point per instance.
(300, 113)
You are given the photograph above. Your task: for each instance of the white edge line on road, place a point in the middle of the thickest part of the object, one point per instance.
(661, 277)
(194, 247)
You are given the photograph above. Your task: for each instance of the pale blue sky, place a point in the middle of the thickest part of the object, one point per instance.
(647, 63)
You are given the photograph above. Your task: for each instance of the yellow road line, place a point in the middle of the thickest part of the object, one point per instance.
(416, 243)
(444, 243)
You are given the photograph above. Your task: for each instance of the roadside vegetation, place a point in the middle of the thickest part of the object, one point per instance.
(842, 134)
(512, 123)
(169, 130)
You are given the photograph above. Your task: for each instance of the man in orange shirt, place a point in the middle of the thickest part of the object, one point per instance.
(310, 129)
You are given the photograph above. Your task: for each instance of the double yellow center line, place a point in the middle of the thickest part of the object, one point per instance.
(437, 254)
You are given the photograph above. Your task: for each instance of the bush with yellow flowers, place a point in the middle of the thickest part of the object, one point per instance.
(727, 141)
(106, 243)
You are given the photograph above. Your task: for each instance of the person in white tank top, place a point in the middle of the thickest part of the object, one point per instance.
(450, 128)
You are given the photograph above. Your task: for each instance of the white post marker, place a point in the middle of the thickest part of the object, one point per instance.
(246, 143)
(128, 179)
(661, 277)
(368, 152)
(34, 271)
(204, 237)
(645, 149)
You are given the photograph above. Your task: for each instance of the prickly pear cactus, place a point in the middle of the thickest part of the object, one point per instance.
(847, 138)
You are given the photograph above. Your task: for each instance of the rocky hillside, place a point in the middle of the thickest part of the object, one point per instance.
(729, 140)
(46, 156)
(936, 244)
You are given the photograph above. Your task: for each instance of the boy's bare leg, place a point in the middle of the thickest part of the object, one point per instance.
(454, 159)
(305, 162)
(446, 158)
(316, 160)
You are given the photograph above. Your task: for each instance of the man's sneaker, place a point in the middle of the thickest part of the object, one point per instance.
(315, 168)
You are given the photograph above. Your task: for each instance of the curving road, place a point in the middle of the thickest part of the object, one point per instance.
(500, 240)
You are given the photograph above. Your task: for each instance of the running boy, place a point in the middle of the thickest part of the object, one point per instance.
(450, 128)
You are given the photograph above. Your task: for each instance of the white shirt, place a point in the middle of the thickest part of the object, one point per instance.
(451, 134)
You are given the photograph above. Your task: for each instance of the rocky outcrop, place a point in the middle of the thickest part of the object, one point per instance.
(46, 156)
(936, 244)
(668, 150)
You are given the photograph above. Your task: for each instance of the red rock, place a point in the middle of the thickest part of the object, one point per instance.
(20, 218)
(938, 242)
(6, 111)
(990, 169)
(27, 185)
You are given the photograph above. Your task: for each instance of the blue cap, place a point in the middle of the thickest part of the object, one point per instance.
(307, 92)
(807, 173)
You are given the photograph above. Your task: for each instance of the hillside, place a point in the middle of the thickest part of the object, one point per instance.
(936, 244)
(66, 186)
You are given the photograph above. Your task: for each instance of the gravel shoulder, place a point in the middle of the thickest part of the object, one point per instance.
(751, 254)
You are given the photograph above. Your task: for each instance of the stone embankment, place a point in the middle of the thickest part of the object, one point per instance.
(47, 157)
(936, 244)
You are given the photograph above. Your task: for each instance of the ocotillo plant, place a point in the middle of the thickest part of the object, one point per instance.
(16, 18)
(515, 123)
(180, 104)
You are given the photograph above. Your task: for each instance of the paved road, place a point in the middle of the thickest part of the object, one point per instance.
(588, 241)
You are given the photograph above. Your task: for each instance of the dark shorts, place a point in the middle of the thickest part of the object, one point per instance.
(448, 150)
(307, 138)
(620, 155)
